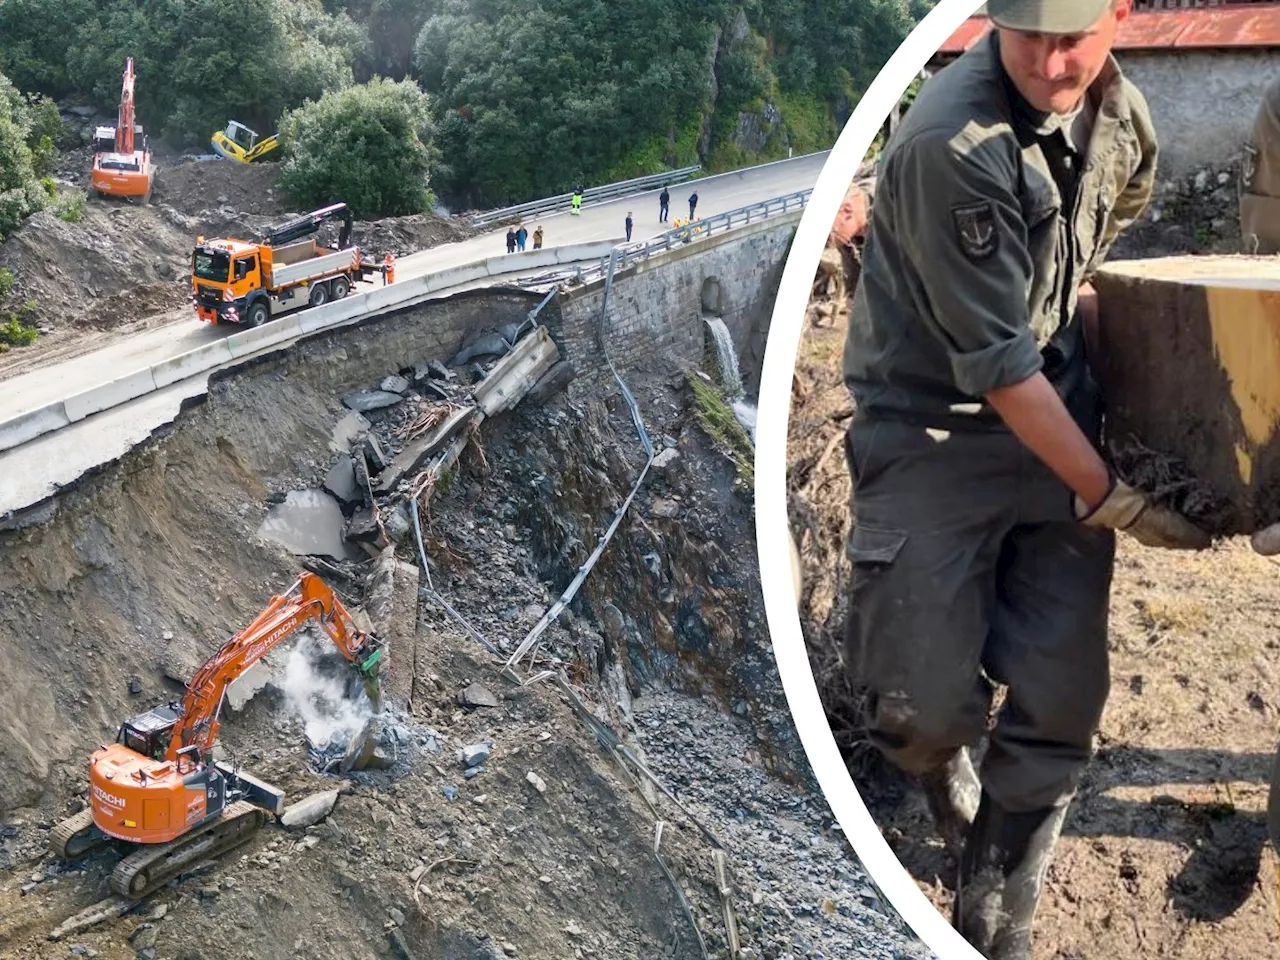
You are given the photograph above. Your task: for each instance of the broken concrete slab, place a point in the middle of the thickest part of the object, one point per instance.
(374, 455)
(515, 374)
(487, 345)
(310, 810)
(551, 383)
(363, 527)
(394, 384)
(477, 695)
(361, 749)
(340, 481)
(432, 369)
(248, 685)
(347, 430)
(408, 460)
(364, 401)
(308, 522)
(477, 373)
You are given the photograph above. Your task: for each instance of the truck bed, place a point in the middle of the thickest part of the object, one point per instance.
(315, 268)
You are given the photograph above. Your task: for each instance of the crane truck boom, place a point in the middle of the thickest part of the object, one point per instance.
(239, 281)
(119, 168)
(158, 786)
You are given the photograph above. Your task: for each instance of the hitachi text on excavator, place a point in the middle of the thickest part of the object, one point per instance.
(158, 787)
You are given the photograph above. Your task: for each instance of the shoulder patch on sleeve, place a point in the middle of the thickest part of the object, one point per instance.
(976, 233)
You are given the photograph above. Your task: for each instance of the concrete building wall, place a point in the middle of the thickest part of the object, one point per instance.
(1203, 102)
(656, 308)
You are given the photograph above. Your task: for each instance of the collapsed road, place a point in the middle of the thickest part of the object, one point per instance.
(630, 786)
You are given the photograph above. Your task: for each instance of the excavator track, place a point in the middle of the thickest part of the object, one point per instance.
(76, 836)
(150, 867)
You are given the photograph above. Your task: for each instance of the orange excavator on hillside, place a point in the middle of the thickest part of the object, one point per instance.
(158, 786)
(120, 169)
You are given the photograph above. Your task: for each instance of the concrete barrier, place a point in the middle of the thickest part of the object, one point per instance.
(33, 423)
(110, 394)
(54, 416)
(256, 338)
(188, 364)
(455, 276)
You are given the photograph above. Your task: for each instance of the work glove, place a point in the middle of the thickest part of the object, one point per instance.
(1124, 508)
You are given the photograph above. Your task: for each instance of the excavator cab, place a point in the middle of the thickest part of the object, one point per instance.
(149, 733)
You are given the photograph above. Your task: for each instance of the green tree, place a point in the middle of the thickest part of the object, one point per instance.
(20, 191)
(368, 146)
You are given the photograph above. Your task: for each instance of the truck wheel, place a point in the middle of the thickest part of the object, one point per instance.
(319, 295)
(340, 287)
(257, 314)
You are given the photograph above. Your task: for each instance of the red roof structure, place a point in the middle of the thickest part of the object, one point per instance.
(1230, 26)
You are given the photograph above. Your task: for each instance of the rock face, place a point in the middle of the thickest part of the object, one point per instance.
(1189, 349)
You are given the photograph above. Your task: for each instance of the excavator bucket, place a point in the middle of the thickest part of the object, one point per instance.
(371, 675)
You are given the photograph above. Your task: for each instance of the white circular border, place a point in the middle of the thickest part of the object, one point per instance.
(771, 479)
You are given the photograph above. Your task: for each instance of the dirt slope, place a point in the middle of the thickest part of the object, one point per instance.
(157, 558)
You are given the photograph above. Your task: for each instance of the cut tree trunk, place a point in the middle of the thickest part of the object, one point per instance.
(1189, 362)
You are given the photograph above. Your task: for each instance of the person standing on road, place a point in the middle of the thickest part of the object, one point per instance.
(664, 205)
(576, 208)
(537, 237)
(1260, 178)
(693, 203)
(511, 240)
(628, 226)
(522, 237)
(983, 516)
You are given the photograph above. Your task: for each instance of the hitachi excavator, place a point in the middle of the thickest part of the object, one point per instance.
(159, 788)
(120, 170)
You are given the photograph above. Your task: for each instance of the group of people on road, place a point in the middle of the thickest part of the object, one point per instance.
(518, 236)
(664, 204)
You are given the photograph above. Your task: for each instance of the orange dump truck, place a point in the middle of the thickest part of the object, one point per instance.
(250, 282)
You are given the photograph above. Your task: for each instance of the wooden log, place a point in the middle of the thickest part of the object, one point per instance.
(1189, 363)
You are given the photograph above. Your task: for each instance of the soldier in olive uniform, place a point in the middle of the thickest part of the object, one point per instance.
(1260, 178)
(983, 526)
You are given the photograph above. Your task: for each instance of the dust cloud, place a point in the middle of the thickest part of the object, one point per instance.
(329, 716)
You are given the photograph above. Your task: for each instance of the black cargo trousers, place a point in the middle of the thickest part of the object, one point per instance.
(970, 570)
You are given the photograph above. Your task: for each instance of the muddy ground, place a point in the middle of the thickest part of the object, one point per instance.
(1164, 852)
(147, 565)
(124, 267)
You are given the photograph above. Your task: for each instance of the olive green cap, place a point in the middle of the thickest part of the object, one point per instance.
(1046, 16)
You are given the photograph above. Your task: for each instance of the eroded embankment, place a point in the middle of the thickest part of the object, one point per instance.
(546, 850)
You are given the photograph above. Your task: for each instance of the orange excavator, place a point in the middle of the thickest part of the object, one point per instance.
(158, 786)
(119, 169)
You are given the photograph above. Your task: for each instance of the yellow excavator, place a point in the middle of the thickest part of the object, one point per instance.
(237, 142)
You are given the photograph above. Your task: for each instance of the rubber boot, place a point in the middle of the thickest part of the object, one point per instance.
(952, 792)
(1001, 877)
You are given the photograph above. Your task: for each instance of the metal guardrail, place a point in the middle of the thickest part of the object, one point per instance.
(624, 254)
(607, 192)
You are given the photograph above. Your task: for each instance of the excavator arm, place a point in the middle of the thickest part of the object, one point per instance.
(308, 599)
(125, 119)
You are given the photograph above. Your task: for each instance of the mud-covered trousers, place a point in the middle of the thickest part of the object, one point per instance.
(969, 570)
